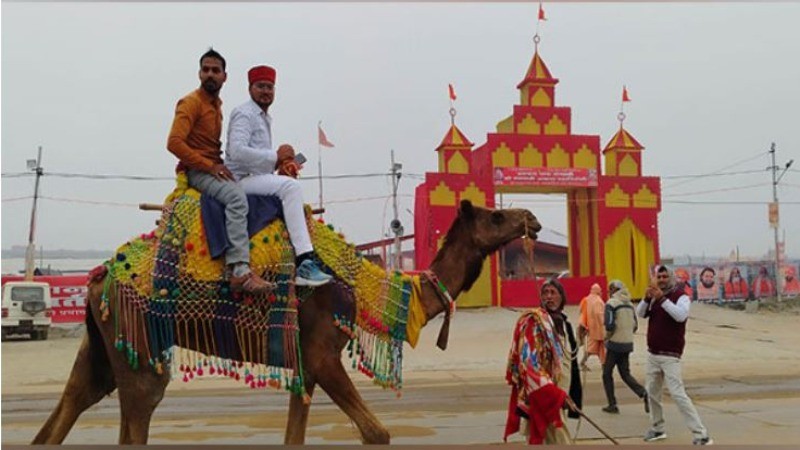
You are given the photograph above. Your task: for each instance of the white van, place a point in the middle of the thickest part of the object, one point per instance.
(27, 309)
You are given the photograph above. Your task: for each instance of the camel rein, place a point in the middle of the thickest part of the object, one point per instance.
(447, 302)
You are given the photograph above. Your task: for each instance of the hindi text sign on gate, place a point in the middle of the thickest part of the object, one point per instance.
(545, 176)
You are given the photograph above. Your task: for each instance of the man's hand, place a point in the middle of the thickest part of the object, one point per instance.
(655, 294)
(285, 151)
(220, 172)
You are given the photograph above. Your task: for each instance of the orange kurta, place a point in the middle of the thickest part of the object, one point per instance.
(195, 134)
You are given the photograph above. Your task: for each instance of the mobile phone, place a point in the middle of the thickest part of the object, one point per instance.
(300, 159)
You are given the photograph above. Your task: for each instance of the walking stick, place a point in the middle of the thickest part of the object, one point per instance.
(575, 408)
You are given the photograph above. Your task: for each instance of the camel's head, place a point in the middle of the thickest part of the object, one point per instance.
(493, 228)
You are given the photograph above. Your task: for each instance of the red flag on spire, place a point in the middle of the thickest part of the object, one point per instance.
(541, 12)
(625, 97)
(452, 92)
(323, 140)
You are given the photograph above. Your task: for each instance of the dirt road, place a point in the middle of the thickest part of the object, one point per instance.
(741, 370)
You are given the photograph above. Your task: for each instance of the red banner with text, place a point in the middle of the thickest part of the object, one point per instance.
(545, 176)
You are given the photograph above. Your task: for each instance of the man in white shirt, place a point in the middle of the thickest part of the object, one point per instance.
(253, 161)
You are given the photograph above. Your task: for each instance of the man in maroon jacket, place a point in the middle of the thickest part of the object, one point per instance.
(666, 306)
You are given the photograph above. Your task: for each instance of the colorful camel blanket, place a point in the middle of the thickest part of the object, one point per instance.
(533, 371)
(169, 290)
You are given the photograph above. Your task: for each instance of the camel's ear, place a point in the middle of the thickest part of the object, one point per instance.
(467, 210)
(498, 217)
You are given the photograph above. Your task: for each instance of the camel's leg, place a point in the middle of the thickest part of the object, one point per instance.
(84, 388)
(298, 417)
(140, 392)
(335, 381)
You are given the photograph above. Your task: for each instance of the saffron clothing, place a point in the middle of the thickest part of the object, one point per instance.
(736, 290)
(591, 319)
(252, 160)
(196, 129)
(792, 287)
(763, 287)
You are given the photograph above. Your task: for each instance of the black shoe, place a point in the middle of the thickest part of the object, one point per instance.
(611, 409)
(646, 401)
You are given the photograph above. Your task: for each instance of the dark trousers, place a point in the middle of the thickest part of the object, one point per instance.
(620, 360)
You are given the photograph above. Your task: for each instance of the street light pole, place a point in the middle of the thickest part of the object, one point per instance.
(775, 180)
(29, 252)
(396, 226)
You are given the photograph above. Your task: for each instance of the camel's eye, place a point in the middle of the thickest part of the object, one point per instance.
(498, 217)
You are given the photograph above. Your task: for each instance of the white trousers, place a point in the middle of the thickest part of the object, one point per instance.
(291, 194)
(662, 368)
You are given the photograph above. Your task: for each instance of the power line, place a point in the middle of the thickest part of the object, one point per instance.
(707, 175)
(17, 174)
(710, 191)
(721, 170)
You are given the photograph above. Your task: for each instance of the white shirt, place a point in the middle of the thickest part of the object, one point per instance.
(678, 311)
(249, 150)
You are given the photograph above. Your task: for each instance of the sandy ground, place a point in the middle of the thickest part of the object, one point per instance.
(741, 369)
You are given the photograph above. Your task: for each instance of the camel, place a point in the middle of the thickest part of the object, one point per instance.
(99, 368)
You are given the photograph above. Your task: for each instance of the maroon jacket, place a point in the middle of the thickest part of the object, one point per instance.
(665, 335)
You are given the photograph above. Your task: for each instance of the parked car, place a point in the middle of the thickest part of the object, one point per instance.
(27, 309)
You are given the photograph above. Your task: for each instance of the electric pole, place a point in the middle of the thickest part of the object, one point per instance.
(396, 226)
(776, 222)
(36, 166)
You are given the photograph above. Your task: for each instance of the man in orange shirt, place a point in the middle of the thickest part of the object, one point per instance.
(195, 140)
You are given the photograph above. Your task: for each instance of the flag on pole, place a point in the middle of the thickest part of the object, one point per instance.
(541, 12)
(323, 140)
(452, 92)
(625, 97)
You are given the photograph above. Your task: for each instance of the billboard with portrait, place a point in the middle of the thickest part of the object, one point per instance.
(707, 287)
(734, 283)
(790, 285)
(762, 280)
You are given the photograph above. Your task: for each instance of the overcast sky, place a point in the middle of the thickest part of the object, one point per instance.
(712, 84)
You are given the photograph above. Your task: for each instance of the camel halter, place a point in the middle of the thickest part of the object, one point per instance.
(447, 302)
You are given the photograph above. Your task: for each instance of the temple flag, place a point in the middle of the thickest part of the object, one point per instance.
(323, 140)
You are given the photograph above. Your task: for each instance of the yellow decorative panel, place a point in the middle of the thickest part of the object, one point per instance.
(523, 95)
(629, 254)
(558, 157)
(530, 157)
(645, 198)
(503, 156)
(506, 125)
(475, 195)
(529, 125)
(457, 163)
(443, 195)
(480, 294)
(585, 159)
(617, 198)
(555, 126)
(540, 98)
(611, 163)
(628, 167)
(442, 161)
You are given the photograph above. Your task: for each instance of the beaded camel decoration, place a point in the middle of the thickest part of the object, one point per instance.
(327, 319)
